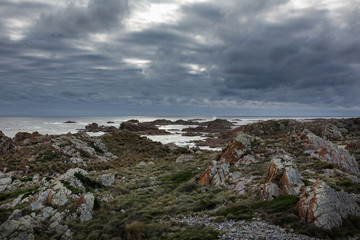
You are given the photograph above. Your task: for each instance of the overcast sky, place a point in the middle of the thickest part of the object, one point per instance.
(185, 57)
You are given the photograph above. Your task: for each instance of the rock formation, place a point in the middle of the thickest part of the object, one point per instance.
(325, 207)
(329, 152)
(282, 178)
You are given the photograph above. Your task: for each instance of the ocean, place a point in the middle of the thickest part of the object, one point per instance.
(56, 125)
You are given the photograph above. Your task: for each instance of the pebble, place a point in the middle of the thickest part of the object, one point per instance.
(255, 230)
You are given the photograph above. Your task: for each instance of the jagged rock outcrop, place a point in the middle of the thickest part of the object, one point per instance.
(216, 174)
(325, 207)
(282, 178)
(329, 152)
(238, 147)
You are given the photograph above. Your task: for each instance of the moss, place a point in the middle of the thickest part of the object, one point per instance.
(307, 182)
(71, 188)
(26, 179)
(87, 182)
(47, 156)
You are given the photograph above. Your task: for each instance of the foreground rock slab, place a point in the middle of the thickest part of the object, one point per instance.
(325, 207)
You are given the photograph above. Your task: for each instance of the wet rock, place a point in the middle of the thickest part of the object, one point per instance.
(282, 178)
(325, 207)
(107, 179)
(329, 152)
(142, 128)
(16, 230)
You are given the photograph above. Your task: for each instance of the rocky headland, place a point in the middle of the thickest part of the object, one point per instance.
(280, 179)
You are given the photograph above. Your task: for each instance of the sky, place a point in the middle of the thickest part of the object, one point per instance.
(180, 57)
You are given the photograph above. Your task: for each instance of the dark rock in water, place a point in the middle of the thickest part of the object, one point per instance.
(70, 121)
(109, 122)
(142, 128)
(94, 127)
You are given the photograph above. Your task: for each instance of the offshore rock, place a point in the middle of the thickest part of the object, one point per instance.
(282, 178)
(329, 152)
(325, 207)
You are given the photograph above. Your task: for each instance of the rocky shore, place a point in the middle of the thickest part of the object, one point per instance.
(273, 180)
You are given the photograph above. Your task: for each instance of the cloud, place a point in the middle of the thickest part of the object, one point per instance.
(253, 55)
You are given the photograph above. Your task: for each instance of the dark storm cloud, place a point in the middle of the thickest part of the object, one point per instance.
(229, 54)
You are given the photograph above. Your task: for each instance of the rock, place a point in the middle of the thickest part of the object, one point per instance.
(353, 147)
(69, 121)
(184, 158)
(332, 132)
(329, 152)
(238, 147)
(216, 174)
(19, 229)
(59, 195)
(86, 205)
(325, 207)
(69, 177)
(142, 128)
(5, 181)
(141, 164)
(5, 143)
(107, 179)
(282, 178)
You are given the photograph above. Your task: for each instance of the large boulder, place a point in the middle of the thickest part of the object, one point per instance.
(329, 152)
(282, 178)
(325, 207)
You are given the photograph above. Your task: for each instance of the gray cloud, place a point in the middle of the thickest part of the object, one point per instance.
(261, 57)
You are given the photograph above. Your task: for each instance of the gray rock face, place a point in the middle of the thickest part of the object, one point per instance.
(5, 181)
(19, 229)
(5, 143)
(86, 206)
(325, 207)
(107, 179)
(69, 177)
(332, 132)
(282, 178)
(329, 152)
